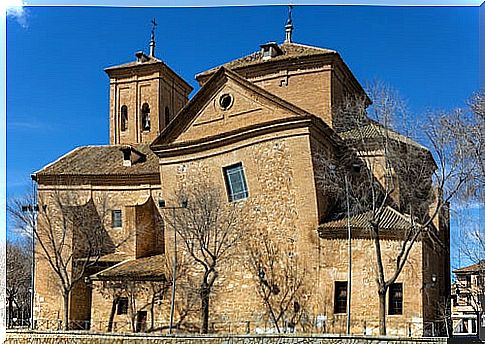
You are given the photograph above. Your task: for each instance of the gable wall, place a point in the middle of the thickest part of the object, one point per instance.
(247, 108)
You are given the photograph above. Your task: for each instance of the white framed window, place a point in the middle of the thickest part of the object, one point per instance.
(236, 185)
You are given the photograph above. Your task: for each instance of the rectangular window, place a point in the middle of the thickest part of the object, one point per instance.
(116, 219)
(340, 300)
(122, 306)
(395, 298)
(235, 182)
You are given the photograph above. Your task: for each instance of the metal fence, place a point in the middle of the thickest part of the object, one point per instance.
(314, 325)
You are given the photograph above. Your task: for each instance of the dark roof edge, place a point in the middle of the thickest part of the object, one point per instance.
(226, 138)
(157, 62)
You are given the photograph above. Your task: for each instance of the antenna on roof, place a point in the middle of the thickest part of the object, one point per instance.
(152, 38)
(289, 25)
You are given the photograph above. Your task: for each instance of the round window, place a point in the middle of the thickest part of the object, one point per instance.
(225, 101)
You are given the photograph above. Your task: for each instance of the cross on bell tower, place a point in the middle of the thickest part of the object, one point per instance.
(152, 38)
(289, 25)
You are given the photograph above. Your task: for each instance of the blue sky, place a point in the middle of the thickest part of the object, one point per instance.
(57, 92)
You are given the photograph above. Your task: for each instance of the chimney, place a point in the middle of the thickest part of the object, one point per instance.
(131, 156)
(141, 57)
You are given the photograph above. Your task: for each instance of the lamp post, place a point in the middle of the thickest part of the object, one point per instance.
(349, 246)
(33, 210)
(355, 170)
(183, 205)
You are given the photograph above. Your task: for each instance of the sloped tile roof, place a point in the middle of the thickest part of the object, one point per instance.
(290, 51)
(101, 160)
(471, 268)
(391, 221)
(141, 269)
(375, 130)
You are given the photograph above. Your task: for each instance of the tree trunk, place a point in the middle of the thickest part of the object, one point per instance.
(65, 320)
(10, 312)
(204, 311)
(382, 311)
(112, 314)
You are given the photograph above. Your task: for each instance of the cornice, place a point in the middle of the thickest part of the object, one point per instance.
(94, 179)
(224, 140)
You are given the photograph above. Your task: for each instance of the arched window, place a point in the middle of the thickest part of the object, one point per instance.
(145, 117)
(167, 116)
(124, 118)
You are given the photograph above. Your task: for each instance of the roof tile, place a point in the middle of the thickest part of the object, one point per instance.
(141, 269)
(101, 160)
(290, 50)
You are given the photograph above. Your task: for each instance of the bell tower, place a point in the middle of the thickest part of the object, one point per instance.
(145, 95)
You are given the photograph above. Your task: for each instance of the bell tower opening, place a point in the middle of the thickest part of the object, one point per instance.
(145, 117)
(124, 118)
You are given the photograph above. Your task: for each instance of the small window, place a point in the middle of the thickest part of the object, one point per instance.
(122, 306)
(395, 298)
(340, 300)
(116, 218)
(235, 182)
(145, 117)
(167, 116)
(124, 118)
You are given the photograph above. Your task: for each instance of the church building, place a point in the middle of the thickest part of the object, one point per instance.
(256, 129)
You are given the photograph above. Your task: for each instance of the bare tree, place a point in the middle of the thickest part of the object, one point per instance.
(394, 173)
(280, 280)
(18, 264)
(465, 129)
(209, 231)
(70, 236)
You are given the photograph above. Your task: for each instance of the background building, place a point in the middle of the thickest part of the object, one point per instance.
(468, 299)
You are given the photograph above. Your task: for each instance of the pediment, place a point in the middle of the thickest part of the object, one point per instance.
(227, 103)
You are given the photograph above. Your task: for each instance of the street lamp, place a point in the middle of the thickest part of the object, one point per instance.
(33, 210)
(183, 205)
(355, 169)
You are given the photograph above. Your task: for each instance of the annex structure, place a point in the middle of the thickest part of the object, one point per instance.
(258, 129)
